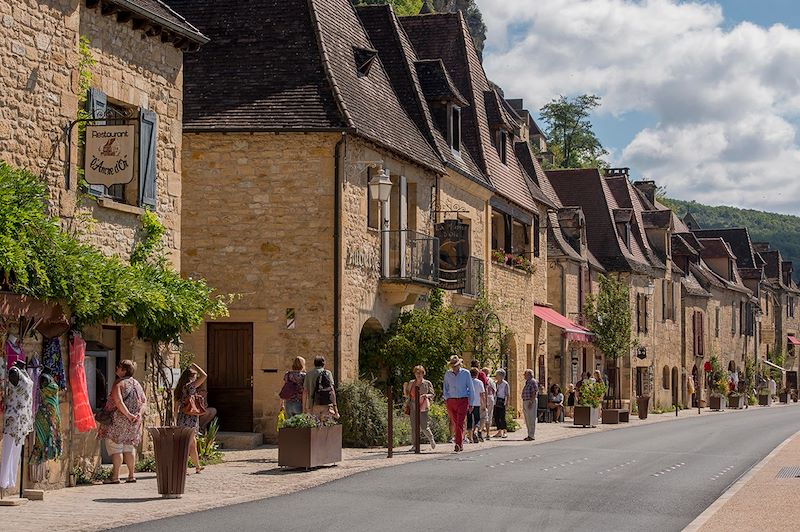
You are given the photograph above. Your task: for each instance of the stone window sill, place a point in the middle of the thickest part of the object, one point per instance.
(108, 203)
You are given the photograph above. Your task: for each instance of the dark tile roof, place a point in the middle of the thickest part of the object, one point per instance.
(691, 286)
(435, 81)
(533, 170)
(657, 219)
(772, 264)
(160, 13)
(290, 65)
(496, 113)
(403, 68)
(446, 37)
(629, 198)
(751, 273)
(681, 247)
(716, 248)
(557, 244)
(587, 189)
(739, 241)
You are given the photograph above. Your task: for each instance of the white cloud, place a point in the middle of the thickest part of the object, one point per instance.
(724, 99)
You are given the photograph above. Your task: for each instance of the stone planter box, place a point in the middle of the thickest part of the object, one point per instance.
(783, 397)
(736, 402)
(716, 402)
(764, 400)
(587, 416)
(307, 447)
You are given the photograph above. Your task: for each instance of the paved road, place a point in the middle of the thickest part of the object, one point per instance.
(652, 477)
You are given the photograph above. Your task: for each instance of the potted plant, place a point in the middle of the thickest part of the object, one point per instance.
(783, 396)
(763, 397)
(735, 400)
(306, 441)
(589, 398)
(719, 384)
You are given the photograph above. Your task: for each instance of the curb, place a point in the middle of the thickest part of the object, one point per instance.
(717, 505)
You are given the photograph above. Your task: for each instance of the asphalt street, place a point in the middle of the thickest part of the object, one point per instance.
(652, 477)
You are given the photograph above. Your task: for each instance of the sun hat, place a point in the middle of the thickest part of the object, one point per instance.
(454, 361)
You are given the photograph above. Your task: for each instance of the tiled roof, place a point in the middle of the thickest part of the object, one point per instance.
(657, 219)
(290, 65)
(692, 287)
(681, 247)
(588, 189)
(629, 198)
(403, 68)
(557, 245)
(159, 12)
(532, 169)
(496, 112)
(739, 241)
(446, 37)
(715, 248)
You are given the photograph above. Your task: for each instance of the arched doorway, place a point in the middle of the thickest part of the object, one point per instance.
(675, 386)
(370, 363)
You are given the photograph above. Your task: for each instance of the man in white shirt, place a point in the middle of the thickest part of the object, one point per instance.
(478, 404)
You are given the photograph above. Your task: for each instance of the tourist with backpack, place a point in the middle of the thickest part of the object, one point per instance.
(293, 386)
(320, 395)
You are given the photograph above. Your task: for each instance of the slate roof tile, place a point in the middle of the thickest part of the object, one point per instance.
(739, 241)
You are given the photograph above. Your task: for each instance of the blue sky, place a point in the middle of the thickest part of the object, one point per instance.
(701, 95)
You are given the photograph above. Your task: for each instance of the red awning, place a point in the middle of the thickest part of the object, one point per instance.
(794, 341)
(572, 331)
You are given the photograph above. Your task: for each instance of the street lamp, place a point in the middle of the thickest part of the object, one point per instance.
(649, 289)
(380, 188)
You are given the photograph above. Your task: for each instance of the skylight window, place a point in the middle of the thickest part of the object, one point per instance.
(364, 60)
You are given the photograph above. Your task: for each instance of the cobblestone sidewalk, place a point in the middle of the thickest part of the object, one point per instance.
(244, 476)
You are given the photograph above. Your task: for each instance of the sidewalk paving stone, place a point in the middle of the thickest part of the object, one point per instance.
(246, 476)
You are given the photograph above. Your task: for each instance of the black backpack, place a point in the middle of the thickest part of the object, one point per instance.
(323, 394)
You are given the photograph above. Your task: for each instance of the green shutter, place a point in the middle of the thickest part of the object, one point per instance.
(97, 104)
(147, 157)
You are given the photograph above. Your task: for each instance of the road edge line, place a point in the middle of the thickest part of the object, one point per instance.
(709, 512)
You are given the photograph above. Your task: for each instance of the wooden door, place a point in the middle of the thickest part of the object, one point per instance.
(230, 374)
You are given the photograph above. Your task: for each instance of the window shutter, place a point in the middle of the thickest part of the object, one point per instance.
(646, 314)
(97, 104)
(147, 157)
(638, 313)
(701, 337)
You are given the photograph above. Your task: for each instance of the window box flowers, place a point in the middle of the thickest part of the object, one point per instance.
(518, 262)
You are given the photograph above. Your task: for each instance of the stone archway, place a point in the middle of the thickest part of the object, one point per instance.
(369, 364)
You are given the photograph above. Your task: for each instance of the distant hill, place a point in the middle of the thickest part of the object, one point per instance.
(782, 231)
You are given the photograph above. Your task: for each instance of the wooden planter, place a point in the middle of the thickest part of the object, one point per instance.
(171, 447)
(716, 402)
(309, 447)
(642, 405)
(783, 397)
(735, 401)
(764, 400)
(588, 416)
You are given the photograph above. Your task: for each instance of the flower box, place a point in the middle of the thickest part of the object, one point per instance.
(309, 447)
(588, 416)
(764, 400)
(736, 401)
(716, 402)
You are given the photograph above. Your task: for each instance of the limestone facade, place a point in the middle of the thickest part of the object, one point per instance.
(39, 54)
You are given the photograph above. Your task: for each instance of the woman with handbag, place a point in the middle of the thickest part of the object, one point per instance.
(426, 394)
(121, 420)
(189, 406)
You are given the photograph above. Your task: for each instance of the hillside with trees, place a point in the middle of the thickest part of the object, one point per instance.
(782, 231)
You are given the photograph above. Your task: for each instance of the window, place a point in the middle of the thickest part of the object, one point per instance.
(667, 300)
(502, 146)
(733, 318)
(698, 334)
(364, 60)
(789, 307)
(536, 236)
(641, 313)
(730, 270)
(665, 378)
(454, 137)
(716, 325)
(741, 317)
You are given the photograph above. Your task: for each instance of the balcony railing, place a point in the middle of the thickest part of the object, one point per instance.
(410, 256)
(474, 282)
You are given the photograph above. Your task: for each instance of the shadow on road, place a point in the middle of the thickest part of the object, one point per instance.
(137, 500)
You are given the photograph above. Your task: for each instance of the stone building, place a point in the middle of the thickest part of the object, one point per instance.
(136, 49)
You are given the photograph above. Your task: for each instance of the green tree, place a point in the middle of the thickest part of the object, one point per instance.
(485, 333)
(401, 7)
(608, 315)
(569, 132)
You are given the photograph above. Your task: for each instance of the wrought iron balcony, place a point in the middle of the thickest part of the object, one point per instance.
(474, 282)
(410, 256)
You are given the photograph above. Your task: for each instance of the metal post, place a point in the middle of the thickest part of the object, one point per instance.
(416, 419)
(390, 425)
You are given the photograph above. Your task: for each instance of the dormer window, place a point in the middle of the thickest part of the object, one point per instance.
(364, 60)
(502, 146)
(454, 129)
(624, 230)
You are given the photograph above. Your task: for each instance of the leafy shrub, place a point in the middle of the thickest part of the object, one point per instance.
(146, 464)
(207, 446)
(363, 414)
(401, 431)
(591, 394)
(511, 421)
(301, 421)
(440, 422)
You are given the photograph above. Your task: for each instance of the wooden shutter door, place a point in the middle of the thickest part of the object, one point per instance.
(147, 157)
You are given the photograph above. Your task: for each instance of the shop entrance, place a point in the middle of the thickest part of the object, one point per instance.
(230, 374)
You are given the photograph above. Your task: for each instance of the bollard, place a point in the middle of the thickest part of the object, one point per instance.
(390, 425)
(676, 409)
(417, 421)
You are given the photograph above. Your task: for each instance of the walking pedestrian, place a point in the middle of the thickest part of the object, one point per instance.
(458, 394)
(486, 415)
(189, 406)
(478, 403)
(292, 394)
(426, 395)
(571, 396)
(482, 376)
(501, 399)
(530, 394)
(319, 390)
(121, 426)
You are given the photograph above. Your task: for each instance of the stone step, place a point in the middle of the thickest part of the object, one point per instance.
(240, 440)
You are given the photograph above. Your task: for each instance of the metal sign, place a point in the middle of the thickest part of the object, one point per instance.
(109, 154)
(453, 254)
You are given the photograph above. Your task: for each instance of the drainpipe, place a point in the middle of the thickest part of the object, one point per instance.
(338, 179)
(566, 360)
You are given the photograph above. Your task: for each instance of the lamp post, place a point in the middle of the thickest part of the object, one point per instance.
(380, 188)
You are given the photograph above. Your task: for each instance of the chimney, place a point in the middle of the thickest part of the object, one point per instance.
(618, 172)
(648, 189)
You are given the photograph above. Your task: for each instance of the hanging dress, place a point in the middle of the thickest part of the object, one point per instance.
(81, 410)
(53, 361)
(34, 372)
(47, 424)
(17, 424)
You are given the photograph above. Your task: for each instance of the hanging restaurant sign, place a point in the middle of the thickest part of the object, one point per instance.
(453, 254)
(109, 154)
